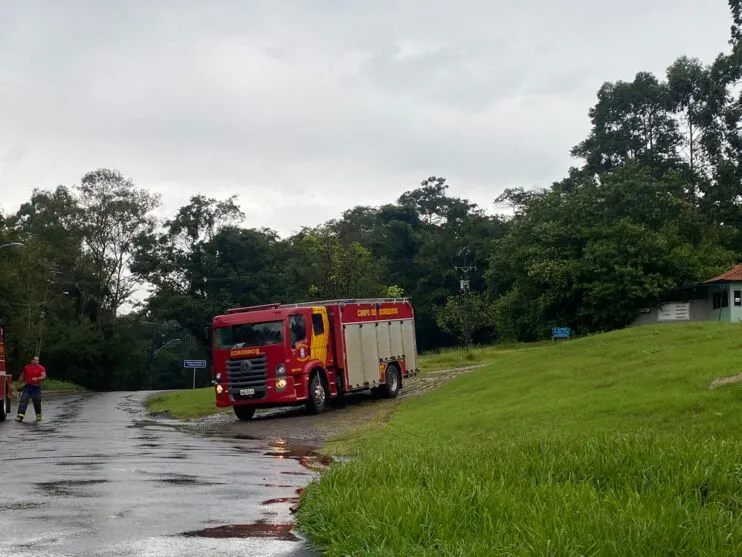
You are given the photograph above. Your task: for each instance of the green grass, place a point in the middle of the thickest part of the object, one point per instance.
(53, 385)
(607, 445)
(196, 403)
(57, 385)
(190, 403)
(448, 358)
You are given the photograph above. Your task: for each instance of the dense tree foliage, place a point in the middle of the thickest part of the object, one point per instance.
(655, 202)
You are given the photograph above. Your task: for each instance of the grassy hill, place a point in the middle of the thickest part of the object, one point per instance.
(609, 445)
(196, 403)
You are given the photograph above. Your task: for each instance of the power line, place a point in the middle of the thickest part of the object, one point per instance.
(244, 277)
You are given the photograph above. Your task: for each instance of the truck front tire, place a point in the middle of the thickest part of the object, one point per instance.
(318, 395)
(244, 413)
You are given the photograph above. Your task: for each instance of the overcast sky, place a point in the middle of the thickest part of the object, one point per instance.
(305, 108)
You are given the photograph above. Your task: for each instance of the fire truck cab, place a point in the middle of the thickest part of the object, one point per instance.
(289, 354)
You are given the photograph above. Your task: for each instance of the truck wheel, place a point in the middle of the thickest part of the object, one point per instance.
(318, 395)
(391, 382)
(244, 413)
(5, 410)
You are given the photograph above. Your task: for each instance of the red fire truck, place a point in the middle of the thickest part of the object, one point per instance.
(6, 380)
(290, 354)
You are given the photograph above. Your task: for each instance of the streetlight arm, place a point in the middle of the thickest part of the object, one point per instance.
(47, 266)
(13, 245)
(169, 342)
(154, 353)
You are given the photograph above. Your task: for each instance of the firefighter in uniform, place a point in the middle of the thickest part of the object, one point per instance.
(33, 375)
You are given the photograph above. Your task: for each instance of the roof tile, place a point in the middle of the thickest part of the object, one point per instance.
(734, 274)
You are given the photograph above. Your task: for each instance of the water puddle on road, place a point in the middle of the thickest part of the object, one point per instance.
(307, 456)
(183, 481)
(19, 506)
(258, 529)
(246, 437)
(294, 501)
(274, 524)
(83, 464)
(67, 488)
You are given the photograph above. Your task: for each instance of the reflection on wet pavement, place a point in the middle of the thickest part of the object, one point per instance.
(99, 478)
(261, 528)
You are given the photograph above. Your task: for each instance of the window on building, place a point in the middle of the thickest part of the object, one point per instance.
(717, 300)
(725, 299)
(738, 297)
(318, 326)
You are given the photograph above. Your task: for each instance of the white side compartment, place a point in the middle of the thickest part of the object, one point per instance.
(383, 342)
(370, 353)
(408, 340)
(395, 337)
(354, 354)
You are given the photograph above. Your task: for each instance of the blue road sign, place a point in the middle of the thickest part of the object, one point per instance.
(194, 363)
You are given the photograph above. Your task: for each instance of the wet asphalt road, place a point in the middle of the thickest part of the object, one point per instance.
(100, 478)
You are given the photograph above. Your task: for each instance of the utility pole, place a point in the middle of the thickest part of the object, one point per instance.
(464, 264)
(50, 269)
(159, 329)
(150, 357)
(154, 353)
(49, 272)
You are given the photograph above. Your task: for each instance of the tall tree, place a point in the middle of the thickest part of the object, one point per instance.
(432, 204)
(631, 123)
(336, 269)
(736, 30)
(192, 262)
(689, 87)
(115, 213)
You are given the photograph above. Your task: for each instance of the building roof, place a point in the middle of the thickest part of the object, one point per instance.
(732, 275)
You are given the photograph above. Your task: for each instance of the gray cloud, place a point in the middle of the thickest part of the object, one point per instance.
(307, 108)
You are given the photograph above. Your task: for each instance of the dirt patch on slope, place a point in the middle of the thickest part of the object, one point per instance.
(725, 381)
(296, 426)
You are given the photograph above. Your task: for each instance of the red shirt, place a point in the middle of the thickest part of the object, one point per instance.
(32, 372)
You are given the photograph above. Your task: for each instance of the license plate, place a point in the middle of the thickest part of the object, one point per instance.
(247, 392)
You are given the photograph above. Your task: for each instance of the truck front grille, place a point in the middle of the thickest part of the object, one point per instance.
(247, 373)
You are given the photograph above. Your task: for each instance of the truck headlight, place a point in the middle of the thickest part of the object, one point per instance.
(218, 376)
(219, 389)
(280, 377)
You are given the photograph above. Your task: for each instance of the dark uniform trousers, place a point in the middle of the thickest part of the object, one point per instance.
(32, 393)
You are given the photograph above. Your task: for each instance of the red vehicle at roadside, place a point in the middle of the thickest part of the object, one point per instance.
(292, 354)
(6, 380)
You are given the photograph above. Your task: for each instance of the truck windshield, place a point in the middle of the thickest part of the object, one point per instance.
(249, 334)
